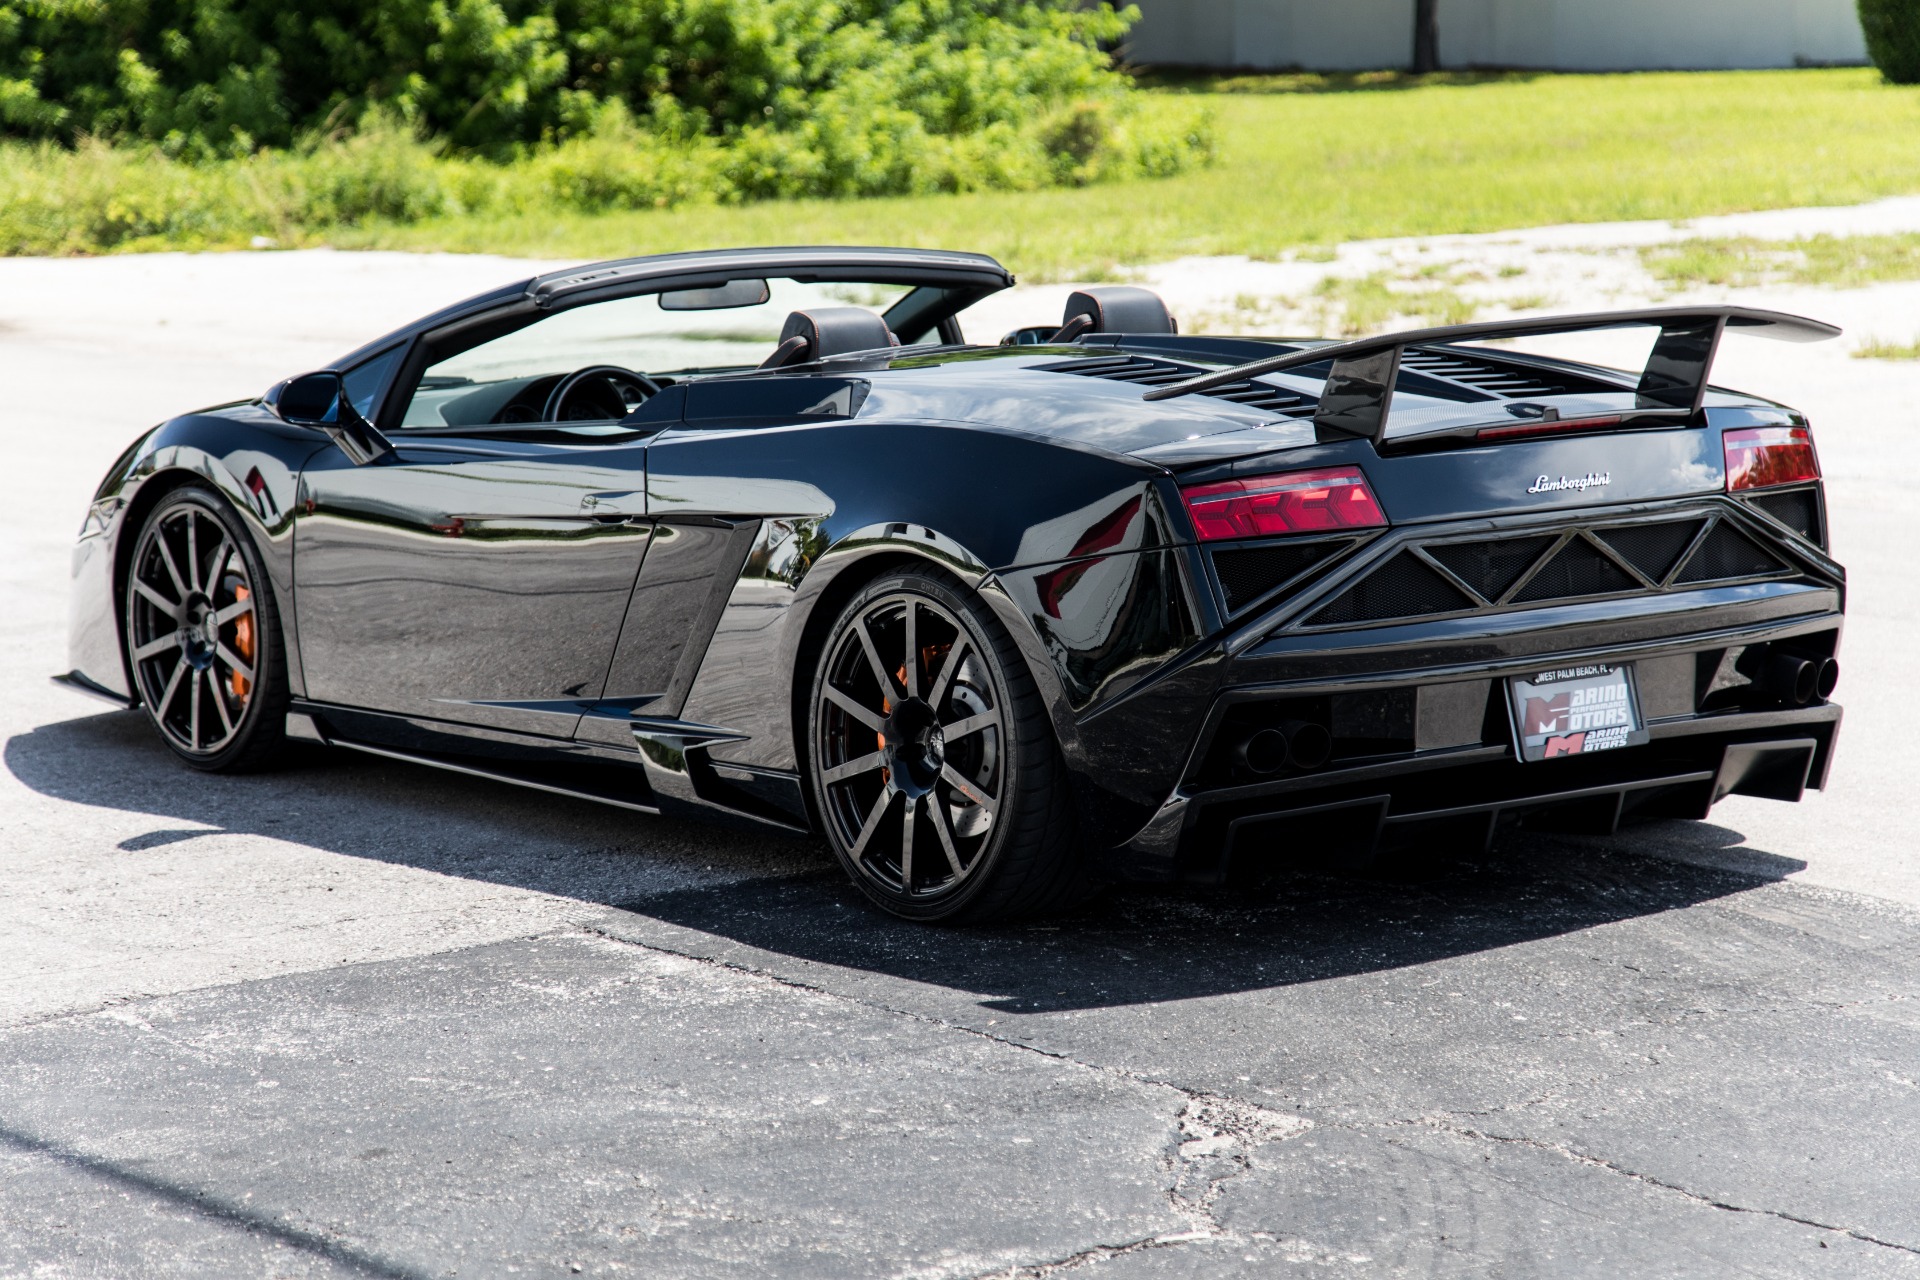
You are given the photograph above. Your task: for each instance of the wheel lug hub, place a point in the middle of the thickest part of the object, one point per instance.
(916, 748)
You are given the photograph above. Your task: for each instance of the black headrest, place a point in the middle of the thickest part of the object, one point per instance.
(1117, 308)
(829, 331)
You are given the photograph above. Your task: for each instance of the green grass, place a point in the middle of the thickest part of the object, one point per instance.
(1308, 161)
(1882, 349)
(1356, 305)
(1840, 262)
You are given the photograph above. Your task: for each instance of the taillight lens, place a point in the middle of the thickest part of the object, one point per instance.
(1761, 457)
(1298, 502)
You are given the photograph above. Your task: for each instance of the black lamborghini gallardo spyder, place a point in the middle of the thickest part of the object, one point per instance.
(762, 534)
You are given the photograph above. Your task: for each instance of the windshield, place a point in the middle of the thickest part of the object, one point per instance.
(508, 378)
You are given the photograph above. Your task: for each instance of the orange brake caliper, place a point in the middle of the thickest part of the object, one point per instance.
(242, 643)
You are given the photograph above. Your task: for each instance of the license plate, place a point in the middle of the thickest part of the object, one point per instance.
(1575, 711)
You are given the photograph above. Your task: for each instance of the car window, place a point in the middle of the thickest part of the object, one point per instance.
(511, 378)
(362, 383)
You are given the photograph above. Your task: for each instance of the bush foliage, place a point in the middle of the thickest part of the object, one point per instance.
(302, 114)
(817, 97)
(1892, 28)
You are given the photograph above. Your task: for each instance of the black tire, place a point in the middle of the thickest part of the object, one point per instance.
(202, 635)
(930, 823)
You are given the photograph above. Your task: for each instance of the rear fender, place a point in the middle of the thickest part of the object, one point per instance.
(789, 591)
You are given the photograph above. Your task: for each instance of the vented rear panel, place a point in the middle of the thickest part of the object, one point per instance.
(1247, 573)
(1651, 548)
(1728, 553)
(1547, 569)
(1490, 567)
(1577, 569)
(1403, 587)
(1798, 509)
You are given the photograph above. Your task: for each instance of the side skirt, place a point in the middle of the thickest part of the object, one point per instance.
(625, 779)
(495, 775)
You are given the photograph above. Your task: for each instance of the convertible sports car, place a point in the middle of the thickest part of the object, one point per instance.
(760, 534)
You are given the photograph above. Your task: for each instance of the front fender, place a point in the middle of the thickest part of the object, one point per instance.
(243, 453)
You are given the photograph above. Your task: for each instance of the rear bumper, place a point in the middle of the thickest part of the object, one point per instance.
(1426, 755)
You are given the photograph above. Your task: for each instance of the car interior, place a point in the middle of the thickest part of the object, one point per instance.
(595, 364)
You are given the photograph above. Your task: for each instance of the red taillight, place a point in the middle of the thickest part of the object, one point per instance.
(1761, 457)
(1299, 502)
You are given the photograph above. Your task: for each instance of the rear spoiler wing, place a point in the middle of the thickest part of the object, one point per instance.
(1359, 387)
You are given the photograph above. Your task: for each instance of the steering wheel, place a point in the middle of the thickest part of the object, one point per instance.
(593, 394)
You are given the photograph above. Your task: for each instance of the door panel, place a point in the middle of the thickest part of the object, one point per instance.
(468, 570)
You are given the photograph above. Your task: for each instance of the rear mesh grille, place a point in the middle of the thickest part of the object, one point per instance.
(1797, 509)
(1247, 573)
(1146, 372)
(1651, 548)
(1404, 587)
(1577, 569)
(1490, 567)
(1728, 553)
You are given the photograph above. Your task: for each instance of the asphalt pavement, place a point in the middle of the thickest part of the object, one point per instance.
(360, 1018)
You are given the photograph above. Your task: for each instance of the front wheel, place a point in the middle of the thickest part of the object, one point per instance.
(931, 759)
(203, 636)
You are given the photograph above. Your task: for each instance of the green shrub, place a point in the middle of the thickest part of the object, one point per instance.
(1892, 28)
(221, 77)
(98, 197)
(335, 112)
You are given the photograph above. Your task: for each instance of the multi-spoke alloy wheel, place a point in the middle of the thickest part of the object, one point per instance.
(920, 751)
(198, 629)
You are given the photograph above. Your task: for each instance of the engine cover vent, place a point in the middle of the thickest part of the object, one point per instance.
(1487, 373)
(1148, 372)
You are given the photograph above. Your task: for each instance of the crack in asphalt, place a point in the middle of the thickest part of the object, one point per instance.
(1215, 1135)
(1096, 1253)
(1210, 1118)
(1646, 1179)
(1214, 1142)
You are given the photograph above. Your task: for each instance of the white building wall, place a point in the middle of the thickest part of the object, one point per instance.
(1571, 35)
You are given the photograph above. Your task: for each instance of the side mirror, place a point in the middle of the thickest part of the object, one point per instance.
(309, 400)
(319, 400)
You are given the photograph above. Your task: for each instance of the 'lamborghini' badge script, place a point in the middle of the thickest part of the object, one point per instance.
(1593, 479)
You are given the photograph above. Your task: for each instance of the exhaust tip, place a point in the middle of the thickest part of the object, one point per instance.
(1827, 678)
(1263, 752)
(1790, 679)
(1308, 745)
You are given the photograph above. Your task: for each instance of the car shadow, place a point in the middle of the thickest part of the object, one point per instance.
(1131, 945)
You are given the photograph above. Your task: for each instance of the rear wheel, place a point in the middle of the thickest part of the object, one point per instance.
(932, 761)
(203, 637)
